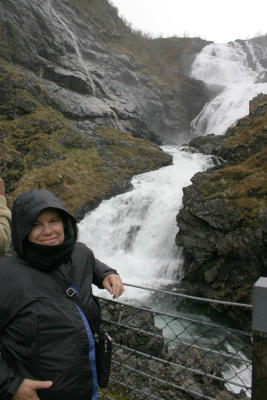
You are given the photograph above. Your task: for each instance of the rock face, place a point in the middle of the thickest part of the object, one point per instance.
(85, 101)
(41, 148)
(223, 222)
(85, 57)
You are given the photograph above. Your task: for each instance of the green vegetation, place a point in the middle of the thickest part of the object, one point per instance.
(40, 148)
(244, 183)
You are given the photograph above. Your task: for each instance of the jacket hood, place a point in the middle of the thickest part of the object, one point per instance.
(25, 209)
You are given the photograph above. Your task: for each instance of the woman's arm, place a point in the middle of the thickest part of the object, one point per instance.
(106, 277)
(9, 380)
(5, 218)
(10, 295)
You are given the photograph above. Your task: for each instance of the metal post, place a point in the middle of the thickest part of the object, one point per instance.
(259, 327)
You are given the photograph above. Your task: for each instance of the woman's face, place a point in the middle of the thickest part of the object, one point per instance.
(48, 229)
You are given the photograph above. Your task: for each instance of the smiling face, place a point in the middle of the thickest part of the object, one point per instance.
(48, 229)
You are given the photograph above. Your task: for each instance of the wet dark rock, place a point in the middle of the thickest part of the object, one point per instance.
(118, 187)
(223, 238)
(136, 328)
(140, 351)
(209, 144)
(73, 80)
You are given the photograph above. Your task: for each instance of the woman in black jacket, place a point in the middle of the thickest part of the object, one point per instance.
(46, 341)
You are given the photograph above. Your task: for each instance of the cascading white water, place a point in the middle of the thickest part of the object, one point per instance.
(227, 65)
(71, 39)
(135, 232)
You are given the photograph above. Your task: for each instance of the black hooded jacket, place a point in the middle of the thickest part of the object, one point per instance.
(43, 333)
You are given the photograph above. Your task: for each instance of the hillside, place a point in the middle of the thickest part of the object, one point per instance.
(85, 101)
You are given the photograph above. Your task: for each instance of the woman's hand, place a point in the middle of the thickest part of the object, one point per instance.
(28, 389)
(114, 285)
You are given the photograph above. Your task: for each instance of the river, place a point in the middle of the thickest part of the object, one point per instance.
(135, 232)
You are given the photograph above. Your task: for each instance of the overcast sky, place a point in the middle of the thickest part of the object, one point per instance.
(215, 20)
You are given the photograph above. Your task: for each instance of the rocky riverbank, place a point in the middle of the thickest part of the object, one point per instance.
(144, 363)
(223, 222)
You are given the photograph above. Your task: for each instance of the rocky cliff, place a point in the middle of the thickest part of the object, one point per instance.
(83, 99)
(223, 222)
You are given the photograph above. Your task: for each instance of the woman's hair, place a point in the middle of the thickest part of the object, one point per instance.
(70, 227)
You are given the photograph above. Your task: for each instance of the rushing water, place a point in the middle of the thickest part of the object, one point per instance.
(239, 72)
(75, 62)
(135, 231)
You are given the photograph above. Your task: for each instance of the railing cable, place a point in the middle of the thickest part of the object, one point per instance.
(228, 303)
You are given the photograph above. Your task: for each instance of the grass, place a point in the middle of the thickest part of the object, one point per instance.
(41, 148)
(243, 184)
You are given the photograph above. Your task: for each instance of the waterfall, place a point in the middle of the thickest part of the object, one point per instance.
(71, 41)
(135, 232)
(238, 70)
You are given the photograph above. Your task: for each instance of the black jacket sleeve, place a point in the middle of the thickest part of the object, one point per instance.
(9, 380)
(101, 270)
(10, 298)
(84, 258)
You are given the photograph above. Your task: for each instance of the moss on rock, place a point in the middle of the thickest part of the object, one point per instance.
(41, 148)
(222, 226)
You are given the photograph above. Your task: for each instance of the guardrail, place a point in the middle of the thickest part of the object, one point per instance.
(177, 352)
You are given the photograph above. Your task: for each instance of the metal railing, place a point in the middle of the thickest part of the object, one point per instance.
(170, 349)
